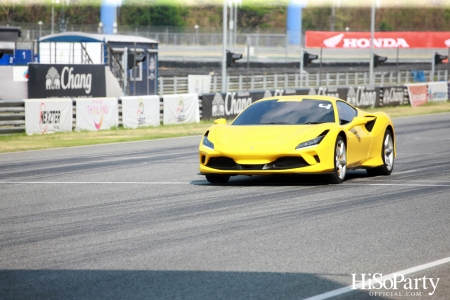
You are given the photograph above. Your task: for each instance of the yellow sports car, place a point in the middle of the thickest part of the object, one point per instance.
(298, 135)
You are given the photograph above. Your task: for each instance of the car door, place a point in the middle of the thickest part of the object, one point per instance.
(358, 137)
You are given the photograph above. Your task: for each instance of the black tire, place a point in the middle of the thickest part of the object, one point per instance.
(217, 179)
(340, 162)
(387, 155)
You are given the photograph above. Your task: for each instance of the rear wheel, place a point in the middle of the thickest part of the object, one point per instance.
(387, 154)
(340, 161)
(217, 178)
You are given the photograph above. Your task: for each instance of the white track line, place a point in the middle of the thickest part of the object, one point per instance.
(180, 182)
(92, 182)
(349, 288)
(396, 184)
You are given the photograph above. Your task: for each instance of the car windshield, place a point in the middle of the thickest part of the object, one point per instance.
(287, 112)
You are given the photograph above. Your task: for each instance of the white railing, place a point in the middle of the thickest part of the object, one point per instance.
(179, 85)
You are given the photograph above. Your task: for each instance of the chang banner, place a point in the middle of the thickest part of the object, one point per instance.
(181, 109)
(199, 84)
(418, 94)
(59, 80)
(48, 115)
(392, 96)
(140, 111)
(437, 91)
(361, 96)
(97, 114)
(229, 105)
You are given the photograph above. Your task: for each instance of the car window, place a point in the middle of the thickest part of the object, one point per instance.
(346, 112)
(287, 112)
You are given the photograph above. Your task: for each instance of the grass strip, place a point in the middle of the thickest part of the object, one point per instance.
(23, 142)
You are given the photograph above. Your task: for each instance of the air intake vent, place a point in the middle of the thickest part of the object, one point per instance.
(289, 163)
(222, 163)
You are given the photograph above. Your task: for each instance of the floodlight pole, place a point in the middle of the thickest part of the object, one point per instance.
(301, 66)
(125, 70)
(372, 33)
(224, 45)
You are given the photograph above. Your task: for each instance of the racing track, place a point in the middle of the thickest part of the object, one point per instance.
(135, 221)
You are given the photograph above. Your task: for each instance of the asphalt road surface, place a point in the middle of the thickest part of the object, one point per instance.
(135, 221)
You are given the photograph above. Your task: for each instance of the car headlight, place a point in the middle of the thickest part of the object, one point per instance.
(207, 142)
(312, 142)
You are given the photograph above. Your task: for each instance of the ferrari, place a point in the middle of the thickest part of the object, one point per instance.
(298, 135)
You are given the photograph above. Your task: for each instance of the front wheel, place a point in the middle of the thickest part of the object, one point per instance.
(387, 154)
(340, 161)
(217, 178)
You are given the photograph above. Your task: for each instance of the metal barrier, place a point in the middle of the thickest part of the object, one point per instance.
(12, 116)
(179, 85)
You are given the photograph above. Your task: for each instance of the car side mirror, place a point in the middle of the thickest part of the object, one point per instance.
(358, 121)
(221, 121)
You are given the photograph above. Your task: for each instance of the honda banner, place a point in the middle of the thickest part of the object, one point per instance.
(181, 109)
(48, 115)
(60, 80)
(97, 114)
(437, 91)
(331, 39)
(140, 111)
(418, 94)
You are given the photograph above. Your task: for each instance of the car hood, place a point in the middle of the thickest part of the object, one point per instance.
(266, 134)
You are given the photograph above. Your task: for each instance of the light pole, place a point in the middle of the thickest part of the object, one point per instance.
(53, 14)
(40, 28)
(196, 34)
(224, 45)
(372, 34)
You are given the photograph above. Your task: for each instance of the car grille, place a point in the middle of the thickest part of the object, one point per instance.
(226, 163)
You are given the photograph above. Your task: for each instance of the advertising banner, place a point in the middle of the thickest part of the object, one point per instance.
(437, 91)
(48, 115)
(181, 109)
(392, 96)
(418, 94)
(332, 39)
(59, 80)
(361, 96)
(20, 73)
(229, 105)
(140, 111)
(97, 114)
(199, 84)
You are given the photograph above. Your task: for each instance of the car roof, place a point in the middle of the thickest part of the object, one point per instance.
(301, 97)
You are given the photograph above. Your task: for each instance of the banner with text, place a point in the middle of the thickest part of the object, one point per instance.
(199, 84)
(48, 115)
(437, 91)
(331, 39)
(140, 111)
(418, 94)
(358, 96)
(59, 80)
(181, 109)
(392, 96)
(97, 114)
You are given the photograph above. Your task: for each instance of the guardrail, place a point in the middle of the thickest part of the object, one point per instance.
(179, 85)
